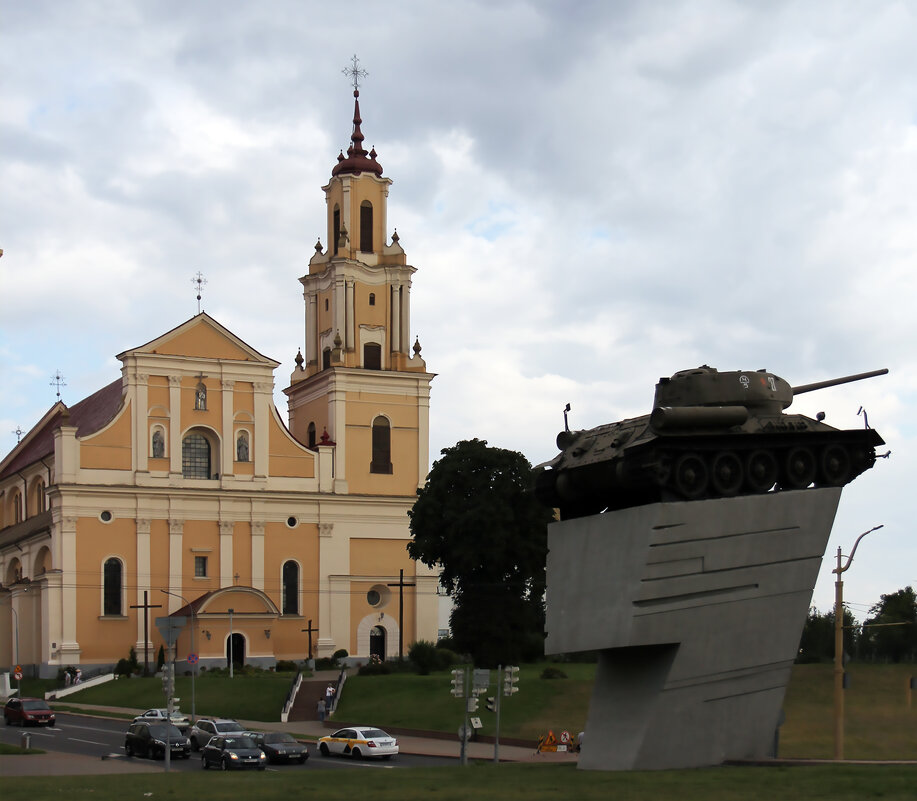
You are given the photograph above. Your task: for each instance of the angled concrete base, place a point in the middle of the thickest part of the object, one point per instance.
(697, 610)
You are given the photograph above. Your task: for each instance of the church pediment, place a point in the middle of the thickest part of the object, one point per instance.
(201, 337)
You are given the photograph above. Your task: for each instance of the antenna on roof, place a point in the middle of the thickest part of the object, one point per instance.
(199, 281)
(57, 380)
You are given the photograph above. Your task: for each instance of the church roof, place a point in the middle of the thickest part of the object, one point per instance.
(356, 160)
(89, 415)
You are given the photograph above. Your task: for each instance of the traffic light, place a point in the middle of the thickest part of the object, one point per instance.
(510, 679)
(168, 680)
(473, 703)
(491, 703)
(458, 683)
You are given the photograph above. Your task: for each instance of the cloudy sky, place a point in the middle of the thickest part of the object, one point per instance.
(594, 194)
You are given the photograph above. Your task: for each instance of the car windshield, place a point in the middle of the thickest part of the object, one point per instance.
(227, 726)
(238, 742)
(279, 737)
(159, 730)
(34, 705)
(374, 734)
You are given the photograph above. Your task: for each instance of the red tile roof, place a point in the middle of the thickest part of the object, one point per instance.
(89, 415)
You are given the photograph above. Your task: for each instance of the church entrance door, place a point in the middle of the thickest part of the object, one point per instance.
(235, 650)
(377, 642)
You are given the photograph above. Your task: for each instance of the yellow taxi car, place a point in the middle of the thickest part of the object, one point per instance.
(359, 742)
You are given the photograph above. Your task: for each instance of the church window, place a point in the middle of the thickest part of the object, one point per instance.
(159, 444)
(200, 567)
(311, 435)
(200, 397)
(105, 516)
(326, 304)
(195, 456)
(290, 588)
(111, 583)
(242, 447)
(366, 227)
(372, 298)
(326, 358)
(382, 447)
(372, 356)
(38, 496)
(336, 225)
(17, 506)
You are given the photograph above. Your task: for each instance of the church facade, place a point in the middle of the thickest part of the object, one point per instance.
(179, 491)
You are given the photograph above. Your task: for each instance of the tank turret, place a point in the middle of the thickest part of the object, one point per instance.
(710, 435)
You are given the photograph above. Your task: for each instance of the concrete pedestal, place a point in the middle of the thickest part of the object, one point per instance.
(697, 609)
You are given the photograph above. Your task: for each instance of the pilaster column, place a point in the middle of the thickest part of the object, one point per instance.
(142, 545)
(396, 319)
(259, 447)
(405, 346)
(68, 592)
(226, 575)
(229, 437)
(350, 335)
(175, 424)
(258, 555)
(139, 411)
(339, 300)
(176, 569)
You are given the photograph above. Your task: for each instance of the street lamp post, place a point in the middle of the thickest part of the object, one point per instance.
(193, 666)
(839, 646)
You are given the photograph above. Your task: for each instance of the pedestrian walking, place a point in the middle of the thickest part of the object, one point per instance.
(321, 709)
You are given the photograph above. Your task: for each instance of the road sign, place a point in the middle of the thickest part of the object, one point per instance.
(17, 675)
(192, 659)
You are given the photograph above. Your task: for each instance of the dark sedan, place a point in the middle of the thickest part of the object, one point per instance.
(278, 746)
(232, 752)
(149, 739)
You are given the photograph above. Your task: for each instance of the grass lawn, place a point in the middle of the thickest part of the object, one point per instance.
(482, 782)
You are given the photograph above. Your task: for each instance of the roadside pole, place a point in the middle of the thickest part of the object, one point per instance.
(497, 695)
(464, 737)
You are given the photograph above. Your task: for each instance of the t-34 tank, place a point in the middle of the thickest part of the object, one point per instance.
(710, 435)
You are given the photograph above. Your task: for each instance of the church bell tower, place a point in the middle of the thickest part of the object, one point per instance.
(361, 386)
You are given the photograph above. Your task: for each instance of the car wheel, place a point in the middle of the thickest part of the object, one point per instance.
(323, 749)
(224, 764)
(204, 763)
(355, 753)
(128, 750)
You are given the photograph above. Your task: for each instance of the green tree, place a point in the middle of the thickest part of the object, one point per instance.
(817, 641)
(477, 519)
(893, 642)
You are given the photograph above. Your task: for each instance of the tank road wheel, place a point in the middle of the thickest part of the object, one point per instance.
(834, 466)
(798, 468)
(760, 471)
(726, 474)
(691, 476)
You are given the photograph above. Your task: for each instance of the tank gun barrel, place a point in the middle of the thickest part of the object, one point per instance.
(833, 382)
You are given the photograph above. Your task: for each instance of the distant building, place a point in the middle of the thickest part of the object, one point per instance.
(181, 476)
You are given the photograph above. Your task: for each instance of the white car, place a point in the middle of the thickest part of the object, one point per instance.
(359, 742)
(161, 715)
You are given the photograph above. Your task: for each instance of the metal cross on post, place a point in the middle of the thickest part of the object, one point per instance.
(355, 72)
(146, 630)
(401, 585)
(310, 631)
(199, 281)
(57, 380)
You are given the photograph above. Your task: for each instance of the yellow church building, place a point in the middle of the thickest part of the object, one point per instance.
(179, 490)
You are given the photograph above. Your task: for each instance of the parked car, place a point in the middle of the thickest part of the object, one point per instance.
(278, 746)
(149, 739)
(161, 715)
(359, 742)
(28, 710)
(205, 728)
(232, 751)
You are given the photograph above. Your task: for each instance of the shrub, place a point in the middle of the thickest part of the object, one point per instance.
(372, 668)
(423, 656)
(325, 663)
(286, 666)
(123, 668)
(339, 654)
(132, 659)
(553, 673)
(446, 658)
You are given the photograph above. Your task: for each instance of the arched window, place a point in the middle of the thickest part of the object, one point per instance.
(382, 447)
(242, 447)
(311, 435)
(372, 298)
(17, 506)
(336, 225)
(366, 227)
(326, 358)
(290, 588)
(372, 356)
(195, 456)
(111, 587)
(37, 497)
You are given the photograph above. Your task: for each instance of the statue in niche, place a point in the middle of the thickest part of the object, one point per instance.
(159, 444)
(242, 447)
(200, 398)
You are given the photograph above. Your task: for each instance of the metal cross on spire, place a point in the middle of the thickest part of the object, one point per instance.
(57, 380)
(355, 72)
(199, 281)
